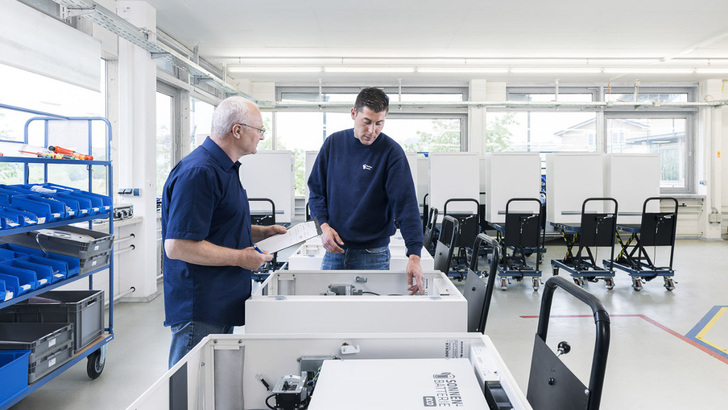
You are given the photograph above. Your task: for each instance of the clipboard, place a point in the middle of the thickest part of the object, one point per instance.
(295, 235)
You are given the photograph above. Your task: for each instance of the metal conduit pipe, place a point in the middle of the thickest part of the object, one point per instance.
(122, 294)
(125, 250)
(124, 239)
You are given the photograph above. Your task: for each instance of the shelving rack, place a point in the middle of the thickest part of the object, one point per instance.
(95, 352)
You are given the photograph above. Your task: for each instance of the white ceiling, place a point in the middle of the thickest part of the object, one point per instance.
(684, 33)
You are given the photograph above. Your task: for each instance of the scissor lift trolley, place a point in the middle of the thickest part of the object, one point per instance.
(519, 238)
(655, 229)
(597, 229)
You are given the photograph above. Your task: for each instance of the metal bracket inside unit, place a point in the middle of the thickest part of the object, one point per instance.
(311, 365)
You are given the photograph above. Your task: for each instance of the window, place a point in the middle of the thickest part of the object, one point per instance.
(200, 121)
(543, 129)
(165, 133)
(667, 131)
(27, 90)
(304, 129)
(664, 136)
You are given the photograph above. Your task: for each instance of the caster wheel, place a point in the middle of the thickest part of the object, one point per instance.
(669, 284)
(578, 282)
(536, 284)
(556, 271)
(637, 284)
(609, 283)
(504, 284)
(95, 364)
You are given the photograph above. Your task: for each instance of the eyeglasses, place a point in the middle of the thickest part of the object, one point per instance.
(260, 130)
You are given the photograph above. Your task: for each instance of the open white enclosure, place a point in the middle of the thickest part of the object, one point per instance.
(223, 371)
(354, 301)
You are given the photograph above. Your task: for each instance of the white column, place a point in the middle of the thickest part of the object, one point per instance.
(712, 130)
(137, 151)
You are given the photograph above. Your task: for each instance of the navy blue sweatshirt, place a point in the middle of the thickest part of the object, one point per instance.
(359, 190)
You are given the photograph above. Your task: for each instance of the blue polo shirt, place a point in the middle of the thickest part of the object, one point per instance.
(203, 199)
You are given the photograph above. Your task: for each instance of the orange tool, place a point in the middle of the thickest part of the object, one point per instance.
(66, 151)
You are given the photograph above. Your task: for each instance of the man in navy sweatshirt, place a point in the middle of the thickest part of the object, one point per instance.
(359, 185)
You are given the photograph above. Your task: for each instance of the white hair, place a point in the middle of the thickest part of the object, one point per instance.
(230, 111)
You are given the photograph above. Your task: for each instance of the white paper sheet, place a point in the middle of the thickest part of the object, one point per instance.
(295, 235)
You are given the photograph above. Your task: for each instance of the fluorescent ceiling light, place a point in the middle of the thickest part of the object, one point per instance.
(712, 70)
(273, 69)
(349, 69)
(645, 70)
(556, 70)
(390, 61)
(454, 70)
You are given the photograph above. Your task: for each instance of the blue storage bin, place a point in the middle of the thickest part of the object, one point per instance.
(27, 280)
(85, 207)
(60, 268)
(12, 285)
(43, 273)
(66, 265)
(51, 210)
(12, 218)
(4, 295)
(102, 202)
(6, 255)
(20, 249)
(5, 198)
(70, 206)
(14, 374)
(73, 265)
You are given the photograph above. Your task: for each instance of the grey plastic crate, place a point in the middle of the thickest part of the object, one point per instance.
(66, 240)
(50, 361)
(93, 262)
(39, 338)
(83, 308)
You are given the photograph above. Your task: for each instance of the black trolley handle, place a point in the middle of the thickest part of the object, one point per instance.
(583, 204)
(475, 201)
(480, 240)
(601, 320)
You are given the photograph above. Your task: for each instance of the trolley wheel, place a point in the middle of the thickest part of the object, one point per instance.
(95, 364)
(556, 271)
(504, 283)
(536, 284)
(610, 283)
(637, 284)
(669, 284)
(578, 282)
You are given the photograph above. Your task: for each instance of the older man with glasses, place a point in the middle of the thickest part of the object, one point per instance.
(209, 251)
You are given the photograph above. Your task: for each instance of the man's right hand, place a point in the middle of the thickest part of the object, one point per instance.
(330, 239)
(254, 259)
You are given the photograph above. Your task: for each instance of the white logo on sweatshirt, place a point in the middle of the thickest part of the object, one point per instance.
(366, 167)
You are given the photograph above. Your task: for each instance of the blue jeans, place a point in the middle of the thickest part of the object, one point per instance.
(185, 336)
(357, 259)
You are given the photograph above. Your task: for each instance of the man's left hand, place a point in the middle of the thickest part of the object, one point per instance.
(415, 279)
(274, 230)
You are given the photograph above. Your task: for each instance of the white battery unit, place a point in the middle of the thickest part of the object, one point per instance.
(631, 179)
(354, 301)
(510, 175)
(570, 179)
(397, 384)
(278, 184)
(454, 175)
(225, 372)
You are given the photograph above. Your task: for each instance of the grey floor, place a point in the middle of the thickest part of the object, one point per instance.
(652, 362)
